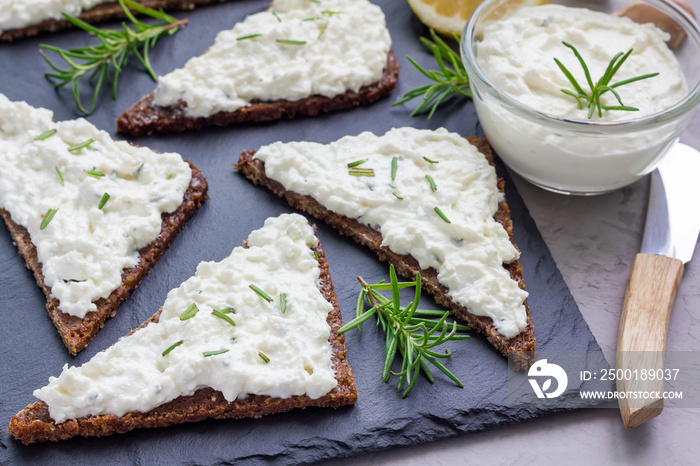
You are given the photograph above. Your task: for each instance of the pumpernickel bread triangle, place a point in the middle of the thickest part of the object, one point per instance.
(100, 215)
(45, 22)
(380, 183)
(295, 58)
(293, 339)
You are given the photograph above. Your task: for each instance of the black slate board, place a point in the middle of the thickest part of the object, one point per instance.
(32, 350)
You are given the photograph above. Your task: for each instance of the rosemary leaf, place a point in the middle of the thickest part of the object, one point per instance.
(274, 13)
(361, 171)
(441, 214)
(248, 37)
(397, 196)
(103, 201)
(323, 29)
(221, 315)
(95, 173)
(81, 145)
(172, 347)
(60, 175)
(356, 163)
(206, 354)
(316, 256)
(430, 161)
(283, 303)
(190, 312)
(48, 216)
(46, 134)
(263, 357)
(291, 42)
(431, 182)
(261, 293)
(394, 167)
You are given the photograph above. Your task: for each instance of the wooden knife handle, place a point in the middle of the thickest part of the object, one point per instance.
(641, 341)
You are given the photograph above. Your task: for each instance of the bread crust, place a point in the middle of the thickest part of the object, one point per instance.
(34, 424)
(521, 346)
(96, 14)
(78, 332)
(144, 118)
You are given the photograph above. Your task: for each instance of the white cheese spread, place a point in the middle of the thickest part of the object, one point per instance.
(267, 352)
(17, 14)
(292, 50)
(517, 54)
(468, 253)
(84, 248)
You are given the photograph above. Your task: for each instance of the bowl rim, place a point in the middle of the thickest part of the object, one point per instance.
(670, 114)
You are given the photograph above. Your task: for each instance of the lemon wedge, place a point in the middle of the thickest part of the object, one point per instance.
(448, 17)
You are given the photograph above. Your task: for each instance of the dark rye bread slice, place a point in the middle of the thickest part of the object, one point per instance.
(521, 346)
(99, 13)
(144, 118)
(76, 332)
(33, 424)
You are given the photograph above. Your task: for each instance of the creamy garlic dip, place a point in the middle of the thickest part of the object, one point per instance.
(17, 14)
(133, 374)
(516, 53)
(84, 248)
(336, 46)
(468, 253)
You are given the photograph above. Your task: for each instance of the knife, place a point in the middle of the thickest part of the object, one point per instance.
(670, 234)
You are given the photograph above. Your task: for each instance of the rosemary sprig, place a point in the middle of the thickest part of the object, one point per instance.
(601, 86)
(190, 312)
(450, 80)
(47, 218)
(261, 293)
(109, 57)
(408, 332)
(172, 347)
(82, 145)
(103, 201)
(46, 134)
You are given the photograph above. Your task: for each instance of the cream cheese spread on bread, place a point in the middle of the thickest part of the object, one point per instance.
(261, 347)
(431, 195)
(292, 50)
(16, 14)
(106, 199)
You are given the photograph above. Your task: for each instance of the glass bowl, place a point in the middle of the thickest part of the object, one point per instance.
(573, 156)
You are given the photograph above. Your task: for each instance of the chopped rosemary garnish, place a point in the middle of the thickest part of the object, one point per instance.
(103, 201)
(46, 134)
(430, 161)
(330, 13)
(95, 173)
(410, 332)
(291, 42)
(263, 357)
(47, 218)
(274, 13)
(172, 347)
(60, 175)
(323, 29)
(313, 18)
(448, 81)
(356, 163)
(189, 312)
(206, 354)
(314, 1)
(397, 196)
(441, 214)
(248, 37)
(431, 182)
(226, 310)
(283, 302)
(361, 171)
(113, 50)
(223, 316)
(394, 166)
(602, 86)
(261, 293)
(81, 145)
(316, 256)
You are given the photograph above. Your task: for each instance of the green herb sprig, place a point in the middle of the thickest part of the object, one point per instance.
(411, 333)
(450, 80)
(47, 218)
(108, 58)
(601, 86)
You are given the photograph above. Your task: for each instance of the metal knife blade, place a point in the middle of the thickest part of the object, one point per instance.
(673, 216)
